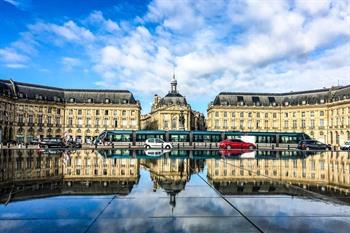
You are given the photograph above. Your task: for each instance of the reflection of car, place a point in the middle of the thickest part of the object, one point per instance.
(156, 152)
(52, 142)
(157, 143)
(313, 145)
(34, 141)
(225, 152)
(346, 146)
(236, 144)
(73, 144)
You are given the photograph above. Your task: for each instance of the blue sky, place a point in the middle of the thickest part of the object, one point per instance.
(212, 45)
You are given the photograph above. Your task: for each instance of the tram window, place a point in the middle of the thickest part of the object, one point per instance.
(174, 138)
(206, 138)
(215, 138)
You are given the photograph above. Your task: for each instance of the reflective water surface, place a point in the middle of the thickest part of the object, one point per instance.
(123, 190)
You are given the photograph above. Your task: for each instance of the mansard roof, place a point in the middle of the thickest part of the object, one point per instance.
(39, 92)
(276, 99)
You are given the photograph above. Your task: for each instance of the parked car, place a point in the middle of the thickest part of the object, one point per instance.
(346, 146)
(52, 143)
(157, 143)
(313, 145)
(236, 144)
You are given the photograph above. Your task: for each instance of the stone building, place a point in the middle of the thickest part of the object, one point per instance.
(28, 111)
(324, 114)
(172, 112)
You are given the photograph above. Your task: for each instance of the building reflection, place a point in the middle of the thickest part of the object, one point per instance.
(33, 173)
(326, 173)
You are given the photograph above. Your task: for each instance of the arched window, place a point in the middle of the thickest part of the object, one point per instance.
(174, 123)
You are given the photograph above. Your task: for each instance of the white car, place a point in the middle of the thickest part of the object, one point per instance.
(156, 152)
(346, 146)
(157, 143)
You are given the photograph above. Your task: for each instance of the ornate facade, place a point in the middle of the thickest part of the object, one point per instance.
(28, 111)
(172, 112)
(324, 114)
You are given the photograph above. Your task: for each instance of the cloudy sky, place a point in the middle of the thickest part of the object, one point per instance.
(212, 45)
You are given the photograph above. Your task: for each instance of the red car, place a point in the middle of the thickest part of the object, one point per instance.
(236, 144)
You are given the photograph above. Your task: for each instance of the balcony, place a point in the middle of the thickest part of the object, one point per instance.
(58, 125)
(50, 125)
(31, 124)
(20, 124)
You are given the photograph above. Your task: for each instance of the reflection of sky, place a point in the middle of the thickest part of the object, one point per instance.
(198, 209)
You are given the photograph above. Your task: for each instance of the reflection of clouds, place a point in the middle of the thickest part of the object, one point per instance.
(288, 206)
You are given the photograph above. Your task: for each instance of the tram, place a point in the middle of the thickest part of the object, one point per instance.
(199, 138)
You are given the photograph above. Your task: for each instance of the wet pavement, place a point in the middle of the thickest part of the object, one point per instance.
(124, 190)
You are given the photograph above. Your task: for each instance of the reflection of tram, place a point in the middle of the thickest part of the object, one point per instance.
(278, 139)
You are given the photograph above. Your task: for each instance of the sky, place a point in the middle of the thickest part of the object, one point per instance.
(212, 46)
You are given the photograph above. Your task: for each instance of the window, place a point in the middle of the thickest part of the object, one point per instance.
(97, 112)
(312, 114)
(216, 114)
(58, 111)
(106, 112)
(107, 101)
(79, 111)
(49, 110)
(302, 114)
(124, 113)
(115, 123)
(225, 114)
(321, 113)
(241, 114)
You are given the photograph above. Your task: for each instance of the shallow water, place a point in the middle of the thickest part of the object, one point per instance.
(177, 191)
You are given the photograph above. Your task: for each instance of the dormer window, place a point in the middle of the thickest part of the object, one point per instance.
(90, 100)
(107, 101)
(322, 101)
(256, 100)
(125, 101)
(303, 102)
(240, 100)
(286, 103)
(20, 95)
(38, 97)
(272, 100)
(71, 100)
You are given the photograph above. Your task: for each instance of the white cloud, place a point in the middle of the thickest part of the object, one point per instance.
(70, 63)
(68, 32)
(12, 59)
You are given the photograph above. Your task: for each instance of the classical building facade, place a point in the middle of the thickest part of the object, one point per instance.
(324, 114)
(172, 112)
(28, 111)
